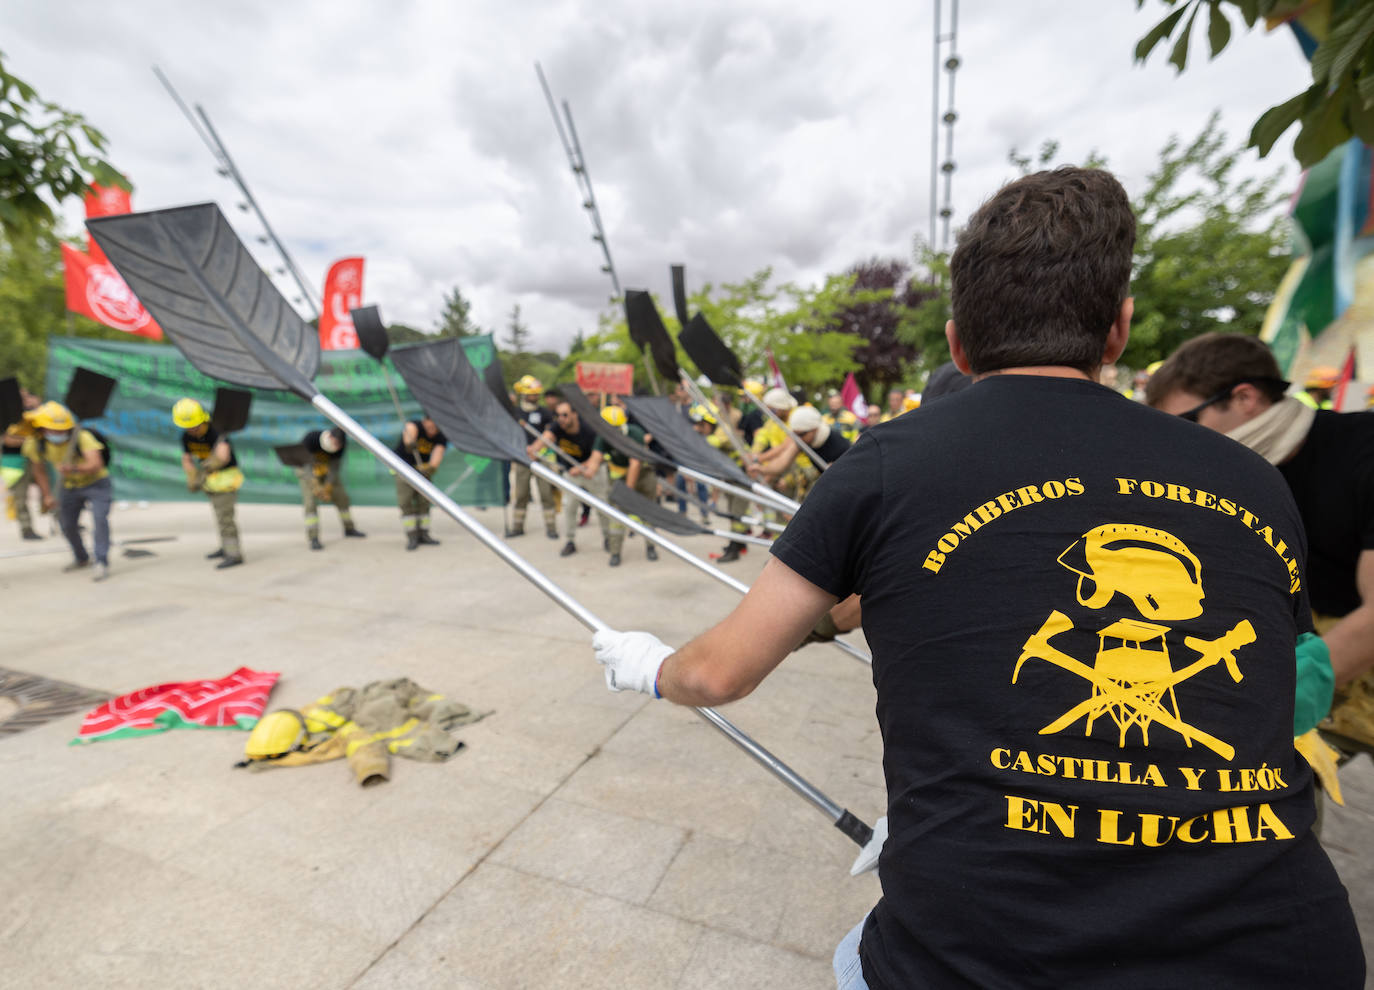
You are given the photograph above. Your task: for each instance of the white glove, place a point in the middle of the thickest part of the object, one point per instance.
(868, 855)
(631, 659)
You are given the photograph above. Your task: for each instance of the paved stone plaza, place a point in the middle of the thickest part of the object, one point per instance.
(581, 840)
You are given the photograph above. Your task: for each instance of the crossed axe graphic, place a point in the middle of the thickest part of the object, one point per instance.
(1142, 696)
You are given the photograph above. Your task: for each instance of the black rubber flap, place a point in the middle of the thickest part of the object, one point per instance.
(191, 272)
(231, 410)
(88, 394)
(11, 402)
(454, 395)
(628, 500)
(670, 428)
(591, 416)
(293, 455)
(496, 382)
(680, 296)
(709, 353)
(647, 331)
(371, 331)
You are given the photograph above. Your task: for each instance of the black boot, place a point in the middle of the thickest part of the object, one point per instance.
(650, 552)
(731, 553)
(354, 532)
(615, 560)
(568, 550)
(551, 531)
(215, 554)
(425, 539)
(28, 534)
(412, 539)
(315, 543)
(514, 531)
(228, 562)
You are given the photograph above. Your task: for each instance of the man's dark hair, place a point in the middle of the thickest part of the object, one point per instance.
(1214, 362)
(1041, 271)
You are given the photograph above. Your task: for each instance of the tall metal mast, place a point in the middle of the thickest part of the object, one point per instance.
(584, 180)
(947, 167)
(206, 132)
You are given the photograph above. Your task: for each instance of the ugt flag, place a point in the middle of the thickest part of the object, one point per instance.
(94, 288)
(343, 291)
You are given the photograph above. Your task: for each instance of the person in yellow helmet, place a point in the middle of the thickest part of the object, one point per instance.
(211, 467)
(620, 466)
(77, 457)
(707, 424)
(19, 475)
(538, 417)
(1316, 391)
(841, 420)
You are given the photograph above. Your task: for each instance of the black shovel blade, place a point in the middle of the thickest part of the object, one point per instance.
(709, 353)
(591, 416)
(193, 274)
(496, 382)
(88, 394)
(371, 331)
(293, 455)
(11, 403)
(680, 295)
(632, 503)
(649, 333)
(686, 446)
(231, 410)
(453, 394)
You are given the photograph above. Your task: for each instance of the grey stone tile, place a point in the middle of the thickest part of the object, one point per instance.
(723, 960)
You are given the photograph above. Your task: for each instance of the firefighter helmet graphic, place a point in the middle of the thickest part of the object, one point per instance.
(1132, 678)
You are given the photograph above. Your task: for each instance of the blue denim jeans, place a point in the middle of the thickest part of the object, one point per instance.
(849, 972)
(70, 502)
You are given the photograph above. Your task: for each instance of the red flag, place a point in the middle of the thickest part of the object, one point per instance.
(95, 289)
(1347, 373)
(853, 399)
(343, 291)
(775, 379)
(104, 201)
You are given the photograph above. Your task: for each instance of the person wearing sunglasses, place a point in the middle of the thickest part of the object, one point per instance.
(1231, 383)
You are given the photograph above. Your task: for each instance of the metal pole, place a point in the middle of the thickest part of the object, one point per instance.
(262, 217)
(745, 454)
(815, 457)
(757, 493)
(840, 817)
(934, 123)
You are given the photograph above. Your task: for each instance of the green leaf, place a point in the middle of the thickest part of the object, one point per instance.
(1157, 34)
(1362, 121)
(1274, 121)
(1365, 87)
(1249, 10)
(1179, 57)
(1334, 55)
(1324, 127)
(1218, 29)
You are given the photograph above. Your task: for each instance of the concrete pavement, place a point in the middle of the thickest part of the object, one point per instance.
(582, 839)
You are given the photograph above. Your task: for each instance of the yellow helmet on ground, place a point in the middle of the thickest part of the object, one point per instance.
(700, 414)
(188, 414)
(528, 385)
(754, 387)
(1322, 377)
(276, 734)
(51, 416)
(614, 415)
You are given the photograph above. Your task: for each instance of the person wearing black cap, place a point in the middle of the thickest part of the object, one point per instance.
(321, 480)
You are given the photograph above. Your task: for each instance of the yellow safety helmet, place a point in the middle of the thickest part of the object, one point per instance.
(1322, 377)
(614, 415)
(276, 734)
(51, 416)
(188, 414)
(1154, 569)
(700, 414)
(754, 387)
(528, 385)
(911, 402)
(1153, 366)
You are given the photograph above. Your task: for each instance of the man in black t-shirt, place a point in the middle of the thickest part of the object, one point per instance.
(210, 466)
(576, 439)
(787, 468)
(537, 418)
(1083, 616)
(1231, 383)
(637, 476)
(321, 480)
(423, 444)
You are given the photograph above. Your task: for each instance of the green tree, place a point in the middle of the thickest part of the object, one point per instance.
(33, 302)
(455, 320)
(44, 150)
(923, 326)
(1340, 102)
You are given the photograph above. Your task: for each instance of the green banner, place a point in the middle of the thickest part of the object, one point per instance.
(146, 446)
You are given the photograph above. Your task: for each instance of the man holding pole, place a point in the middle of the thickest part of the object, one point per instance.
(210, 465)
(321, 480)
(423, 444)
(537, 418)
(1053, 586)
(570, 435)
(78, 458)
(637, 476)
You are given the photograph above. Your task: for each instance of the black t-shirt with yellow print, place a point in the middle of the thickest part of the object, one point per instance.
(577, 445)
(321, 459)
(201, 447)
(424, 445)
(1082, 615)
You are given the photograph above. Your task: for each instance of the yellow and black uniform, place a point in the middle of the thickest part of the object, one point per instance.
(17, 471)
(221, 484)
(414, 506)
(539, 419)
(80, 489)
(321, 480)
(618, 469)
(845, 423)
(579, 447)
(1083, 649)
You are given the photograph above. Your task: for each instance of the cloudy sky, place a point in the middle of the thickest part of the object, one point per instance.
(724, 135)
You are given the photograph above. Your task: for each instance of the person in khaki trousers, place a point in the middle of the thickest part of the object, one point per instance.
(210, 465)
